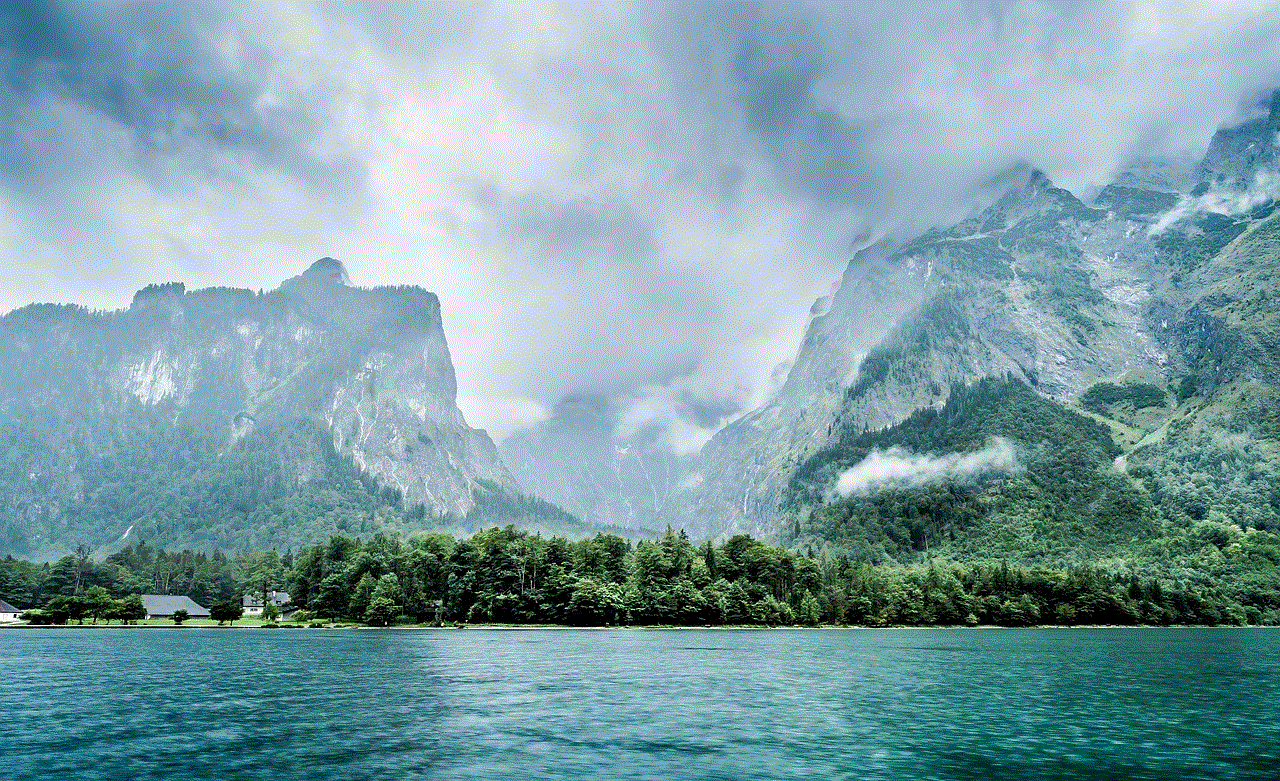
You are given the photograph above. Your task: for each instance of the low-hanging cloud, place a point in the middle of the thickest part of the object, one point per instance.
(1264, 188)
(900, 468)
(637, 200)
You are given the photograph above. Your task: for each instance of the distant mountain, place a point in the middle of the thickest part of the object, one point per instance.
(221, 418)
(1152, 311)
(577, 460)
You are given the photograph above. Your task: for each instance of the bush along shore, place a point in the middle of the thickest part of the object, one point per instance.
(511, 577)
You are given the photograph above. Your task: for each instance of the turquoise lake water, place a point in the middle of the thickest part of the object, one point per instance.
(640, 704)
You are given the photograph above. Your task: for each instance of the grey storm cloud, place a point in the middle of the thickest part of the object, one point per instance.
(180, 79)
(638, 200)
(885, 109)
(778, 64)
(758, 67)
(579, 227)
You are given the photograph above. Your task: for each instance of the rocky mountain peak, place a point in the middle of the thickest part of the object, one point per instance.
(336, 383)
(328, 270)
(325, 275)
(1236, 154)
(1026, 192)
(1017, 178)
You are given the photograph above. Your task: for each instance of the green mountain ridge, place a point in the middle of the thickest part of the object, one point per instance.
(1065, 505)
(222, 419)
(1147, 317)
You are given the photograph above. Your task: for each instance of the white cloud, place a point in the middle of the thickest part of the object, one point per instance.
(666, 409)
(1264, 188)
(898, 467)
(635, 200)
(505, 415)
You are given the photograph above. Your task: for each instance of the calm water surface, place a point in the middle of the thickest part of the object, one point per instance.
(640, 704)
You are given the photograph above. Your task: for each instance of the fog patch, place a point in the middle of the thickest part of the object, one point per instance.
(898, 467)
(501, 416)
(672, 416)
(1264, 189)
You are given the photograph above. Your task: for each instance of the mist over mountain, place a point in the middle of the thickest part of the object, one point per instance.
(1148, 310)
(1144, 310)
(578, 460)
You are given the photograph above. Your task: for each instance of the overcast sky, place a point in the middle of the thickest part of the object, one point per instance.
(634, 200)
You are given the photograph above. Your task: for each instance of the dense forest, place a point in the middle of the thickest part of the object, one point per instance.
(1063, 504)
(282, 484)
(504, 575)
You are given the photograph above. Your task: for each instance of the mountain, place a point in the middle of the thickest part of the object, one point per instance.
(228, 419)
(1150, 311)
(1238, 154)
(1027, 480)
(576, 460)
(1022, 287)
(737, 481)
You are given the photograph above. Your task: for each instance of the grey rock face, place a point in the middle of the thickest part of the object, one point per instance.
(1038, 285)
(577, 460)
(738, 478)
(1237, 154)
(369, 366)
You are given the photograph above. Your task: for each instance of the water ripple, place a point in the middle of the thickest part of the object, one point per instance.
(628, 704)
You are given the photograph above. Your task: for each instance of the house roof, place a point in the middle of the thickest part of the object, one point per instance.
(5, 607)
(166, 604)
(280, 598)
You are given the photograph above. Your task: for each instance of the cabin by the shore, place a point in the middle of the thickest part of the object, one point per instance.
(164, 606)
(253, 604)
(8, 613)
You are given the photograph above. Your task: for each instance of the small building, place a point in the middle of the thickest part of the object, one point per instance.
(253, 604)
(164, 605)
(8, 613)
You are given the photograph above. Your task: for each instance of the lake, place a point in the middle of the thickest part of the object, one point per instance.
(193, 703)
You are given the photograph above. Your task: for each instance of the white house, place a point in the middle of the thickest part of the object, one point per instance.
(253, 604)
(8, 613)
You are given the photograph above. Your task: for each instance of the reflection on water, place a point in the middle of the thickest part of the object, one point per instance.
(637, 704)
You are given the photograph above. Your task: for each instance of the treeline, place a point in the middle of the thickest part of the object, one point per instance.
(93, 605)
(505, 575)
(142, 569)
(509, 576)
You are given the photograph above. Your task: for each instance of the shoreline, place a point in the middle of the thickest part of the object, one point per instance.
(635, 627)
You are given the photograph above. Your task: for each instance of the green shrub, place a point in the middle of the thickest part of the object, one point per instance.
(1103, 396)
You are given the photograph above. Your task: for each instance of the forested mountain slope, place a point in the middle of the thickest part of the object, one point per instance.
(231, 420)
(1152, 311)
(1034, 482)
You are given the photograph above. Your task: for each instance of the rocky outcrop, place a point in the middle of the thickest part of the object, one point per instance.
(1239, 153)
(737, 480)
(369, 366)
(1037, 285)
